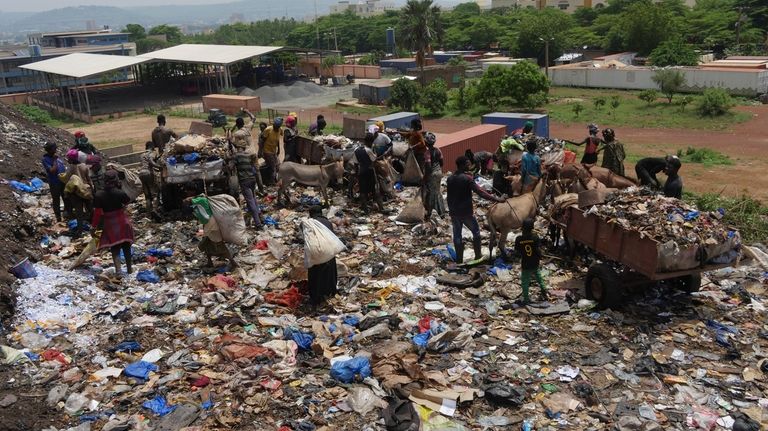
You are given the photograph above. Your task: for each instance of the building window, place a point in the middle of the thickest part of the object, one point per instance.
(563, 6)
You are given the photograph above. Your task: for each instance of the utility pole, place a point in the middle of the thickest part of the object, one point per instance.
(317, 36)
(546, 54)
(335, 41)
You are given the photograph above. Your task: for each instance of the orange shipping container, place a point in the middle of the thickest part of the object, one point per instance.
(485, 137)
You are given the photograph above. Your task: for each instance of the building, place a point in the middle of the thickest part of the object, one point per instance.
(569, 6)
(43, 46)
(363, 7)
(744, 76)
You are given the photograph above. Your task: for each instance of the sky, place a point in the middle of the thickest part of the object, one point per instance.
(44, 5)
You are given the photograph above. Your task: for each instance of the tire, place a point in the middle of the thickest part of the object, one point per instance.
(690, 283)
(603, 285)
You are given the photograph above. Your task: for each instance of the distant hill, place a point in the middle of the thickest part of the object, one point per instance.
(75, 18)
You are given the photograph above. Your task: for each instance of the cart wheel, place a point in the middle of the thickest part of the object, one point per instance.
(690, 283)
(603, 285)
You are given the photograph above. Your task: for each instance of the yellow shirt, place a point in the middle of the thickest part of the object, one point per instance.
(272, 139)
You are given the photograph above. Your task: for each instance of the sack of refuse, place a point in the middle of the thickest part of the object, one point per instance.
(76, 186)
(412, 175)
(229, 217)
(320, 244)
(129, 180)
(413, 212)
(399, 148)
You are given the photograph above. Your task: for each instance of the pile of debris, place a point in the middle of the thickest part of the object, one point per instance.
(333, 141)
(205, 147)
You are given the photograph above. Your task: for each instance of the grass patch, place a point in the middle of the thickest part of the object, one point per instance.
(744, 213)
(705, 156)
(38, 115)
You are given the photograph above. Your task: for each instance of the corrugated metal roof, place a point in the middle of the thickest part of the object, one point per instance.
(209, 54)
(81, 65)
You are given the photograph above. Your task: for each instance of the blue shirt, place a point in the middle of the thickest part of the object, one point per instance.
(531, 167)
(48, 161)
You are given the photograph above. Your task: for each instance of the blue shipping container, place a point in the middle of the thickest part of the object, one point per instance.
(398, 120)
(515, 120)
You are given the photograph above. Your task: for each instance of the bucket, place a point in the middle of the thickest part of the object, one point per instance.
(24, 269)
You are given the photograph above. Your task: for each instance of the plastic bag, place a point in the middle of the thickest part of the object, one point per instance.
(363, 400)
(399, 148)
(33, 186)
(412, 175)
(228, 215)
(320, 244)
(159, 406)
(76, 186)
(201, 209)
(89, 249)
(413, 212)
(450, 340)
(302, 339)
(347, 371)
(148, 276)
(140, 369)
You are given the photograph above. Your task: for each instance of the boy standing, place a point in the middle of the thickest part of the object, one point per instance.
(528, 245)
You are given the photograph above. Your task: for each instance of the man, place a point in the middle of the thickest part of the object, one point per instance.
(270, 150)
(241, 139)
(290, 143)
(382, 144)
(318, 126)
(530, 166)
(646, 170)
(460, 188)
(150, 174)
(82, 144)
(212, 243)
(365, 174)
(245, 163)
(591, 144)
(528, 245)
(53, 166)
(416, 142)
(96, 175)
(525, 130)
(613, 155)
(161, 134)
(673, 188)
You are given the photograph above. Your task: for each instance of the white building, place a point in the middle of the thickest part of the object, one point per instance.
(363, 7)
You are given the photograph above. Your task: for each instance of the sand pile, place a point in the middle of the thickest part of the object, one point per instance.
(283, 92)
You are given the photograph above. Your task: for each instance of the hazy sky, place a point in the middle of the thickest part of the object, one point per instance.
(43, 5)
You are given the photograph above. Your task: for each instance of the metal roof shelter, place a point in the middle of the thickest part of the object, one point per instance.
(75, 69)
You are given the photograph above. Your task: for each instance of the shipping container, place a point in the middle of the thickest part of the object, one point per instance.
(374, 93)
(398, 120)
(485, 137)
(515, 120)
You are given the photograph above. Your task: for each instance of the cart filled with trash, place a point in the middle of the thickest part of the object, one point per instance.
(643, 237)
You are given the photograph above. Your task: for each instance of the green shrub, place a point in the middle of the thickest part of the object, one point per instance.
(434, 96)
(715, 102)
(577, 108)
(704, 156)
(648, 96)
(404, 94)
(35, 114)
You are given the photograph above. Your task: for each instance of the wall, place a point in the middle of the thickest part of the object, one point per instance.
(485, 137)
(231, 105)
(14, 99)
(738, 83)
(452, 75)
(358, 71)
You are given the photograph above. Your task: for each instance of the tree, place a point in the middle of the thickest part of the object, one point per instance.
(599, 102)
(404, 94)
(527, 84)
(493, 86)
(674, 52)
(534, 100)
(615, 103)
(684, 101)
(715, 102)
(648, 96)
(434, 96)
(669, 82)
(641, 27)
(136, 32)
(577, 108)
(172, 33)
(146, 45)
(420, 27)
(548, 24)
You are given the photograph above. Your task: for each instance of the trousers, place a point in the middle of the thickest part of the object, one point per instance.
(525, 281)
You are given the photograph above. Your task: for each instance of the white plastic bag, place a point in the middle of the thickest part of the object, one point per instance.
(399, 148)
(229, 217)
(412, 212)
(320, 244)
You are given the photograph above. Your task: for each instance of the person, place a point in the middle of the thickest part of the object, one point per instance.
(530, 166)
(481, 162)
(245, 162)
(321, 278)
(270, 148)
(318, 126)
(525, 130)
(240, 135)
(81, 205)
(54, 166)
(528, 245)
(82, 144)
(382, 144)
(673, 188)
(647, 168)
(460, 188)
(150, 174)
(416, 142)
(433, 175)
(591, 143)
(162, 134)
(290, 143)
(212, 243)
(96, 175)
(366, 175)
(109, 216)
(613, 153)
(501, 185)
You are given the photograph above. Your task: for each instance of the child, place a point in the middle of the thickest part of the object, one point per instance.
(528, 246)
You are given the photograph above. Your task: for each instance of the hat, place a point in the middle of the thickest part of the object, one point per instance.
(373, 128)
(290, 121)
(79, 134)
(430, 138)
(73, 155)
(381, 125)
(278, 121)
(528, 124)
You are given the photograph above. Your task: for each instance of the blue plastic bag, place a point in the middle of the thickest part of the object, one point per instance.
(303, 339)
(269, 221)
(140, 369)
(191, 158)
(148, 276)
(159, 406)
(351, 320)
(421, 339)
(171, 161)
(23, 187)
(127, 346)
(498, 264)
(160, 252)
(345, 371)
(37, 183)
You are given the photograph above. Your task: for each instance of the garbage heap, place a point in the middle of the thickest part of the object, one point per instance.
(333, 141)
(550, 150)
(403, 346)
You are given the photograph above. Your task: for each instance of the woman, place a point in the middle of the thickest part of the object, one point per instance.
(366, 176)
(591, 143)
(433, 199)
(321, 278)
(614, 155)
(109, 215)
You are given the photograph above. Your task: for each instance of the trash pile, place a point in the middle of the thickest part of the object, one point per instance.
(204, 146)
(550, 150)
(194, 157)
(333, 141)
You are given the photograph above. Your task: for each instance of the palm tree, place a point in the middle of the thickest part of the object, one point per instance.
(420, 26)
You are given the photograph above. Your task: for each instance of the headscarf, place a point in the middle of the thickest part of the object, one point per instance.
(430, 138)
(277, 122)
(111, 179)
(593, 129)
